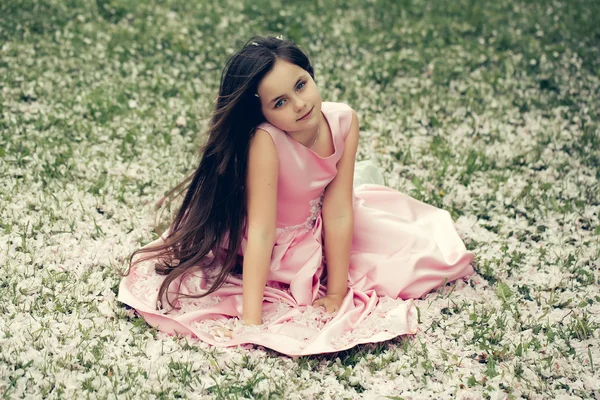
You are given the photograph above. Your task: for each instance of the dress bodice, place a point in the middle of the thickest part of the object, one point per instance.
(303, 174)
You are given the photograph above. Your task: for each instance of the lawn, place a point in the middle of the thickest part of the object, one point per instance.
(490, 111)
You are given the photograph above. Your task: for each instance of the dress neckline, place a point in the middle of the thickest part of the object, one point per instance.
(330, 134)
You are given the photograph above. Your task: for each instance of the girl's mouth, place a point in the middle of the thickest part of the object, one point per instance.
(308, 114)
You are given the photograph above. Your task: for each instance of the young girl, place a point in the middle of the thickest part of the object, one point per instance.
(272, 231)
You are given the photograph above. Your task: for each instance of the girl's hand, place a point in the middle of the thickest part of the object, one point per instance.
(331, 302)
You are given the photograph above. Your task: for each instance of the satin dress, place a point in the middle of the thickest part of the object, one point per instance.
(401, 250)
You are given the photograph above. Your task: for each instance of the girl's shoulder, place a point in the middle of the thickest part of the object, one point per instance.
(331, 106)
(265, 126)
(276, 134)
(340, 114)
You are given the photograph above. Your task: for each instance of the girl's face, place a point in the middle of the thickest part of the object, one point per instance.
(290, 99)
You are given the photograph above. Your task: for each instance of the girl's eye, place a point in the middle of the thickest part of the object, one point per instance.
(281, 102)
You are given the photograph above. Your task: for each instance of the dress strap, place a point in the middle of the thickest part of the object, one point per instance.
(341, 113)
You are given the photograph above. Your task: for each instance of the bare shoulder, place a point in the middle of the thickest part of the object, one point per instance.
(354, 117)
(262, 144)
(262, 157)
(354, 128)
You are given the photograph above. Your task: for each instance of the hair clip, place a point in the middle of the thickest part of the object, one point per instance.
(254, 44)
(256, 94)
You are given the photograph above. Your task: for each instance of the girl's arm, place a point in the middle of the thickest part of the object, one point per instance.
(261, 184)
(338, 222)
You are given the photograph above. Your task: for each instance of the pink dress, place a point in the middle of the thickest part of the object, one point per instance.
(401, 249)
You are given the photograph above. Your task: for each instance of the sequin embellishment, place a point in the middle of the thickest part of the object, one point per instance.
(315, 210)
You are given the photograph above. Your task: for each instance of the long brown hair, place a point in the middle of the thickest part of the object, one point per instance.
(207, 231)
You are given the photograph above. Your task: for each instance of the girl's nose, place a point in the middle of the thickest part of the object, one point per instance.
(299, 104)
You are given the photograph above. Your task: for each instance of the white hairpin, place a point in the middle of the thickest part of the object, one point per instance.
(254, 44)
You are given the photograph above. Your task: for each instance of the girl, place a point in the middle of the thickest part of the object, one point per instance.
(271, 229)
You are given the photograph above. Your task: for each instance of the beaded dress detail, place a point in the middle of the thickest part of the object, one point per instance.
(315, 210)
(401, 250)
